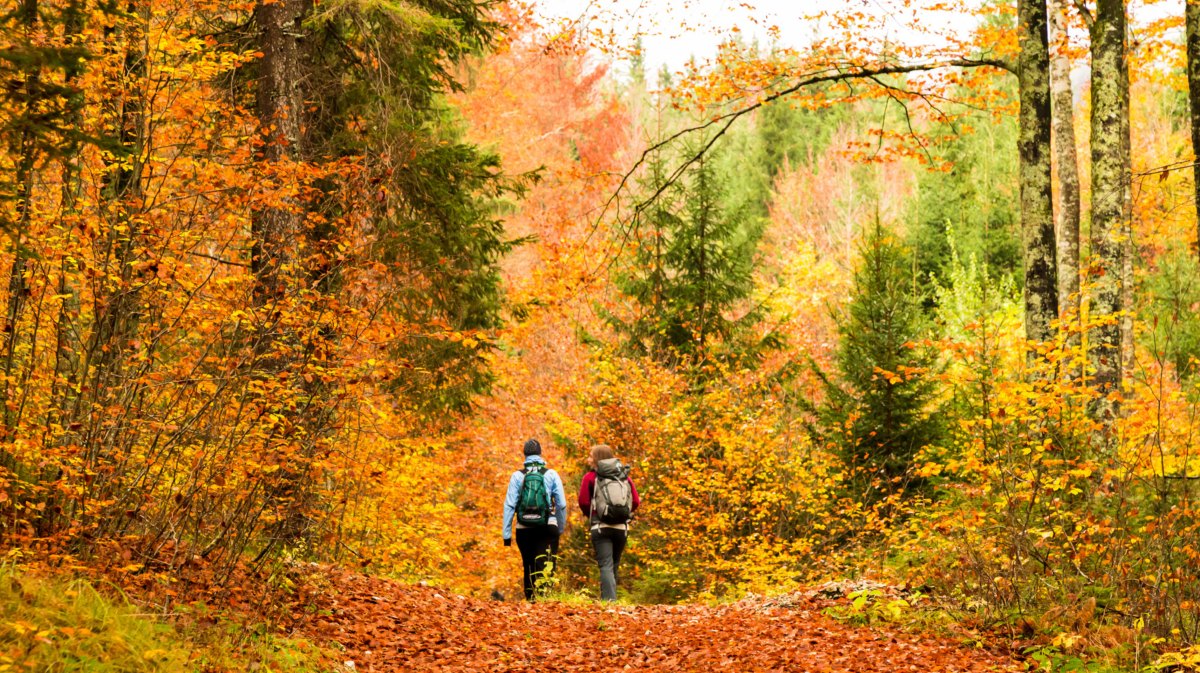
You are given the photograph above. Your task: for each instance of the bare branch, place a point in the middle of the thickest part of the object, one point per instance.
(892, 95)
(832, 74)
(837, 73)
(1086, 13)
(219, 259)
(1163, 170)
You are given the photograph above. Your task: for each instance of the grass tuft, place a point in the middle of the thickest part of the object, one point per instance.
(50, 624)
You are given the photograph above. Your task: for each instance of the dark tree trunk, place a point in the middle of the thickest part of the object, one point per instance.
(67, 346)
(26, 161)
(278, 235)
(1110, 198)
(280, 104)
(1066, 159)
(1192, 12)
(117, 302)
(1037, 209)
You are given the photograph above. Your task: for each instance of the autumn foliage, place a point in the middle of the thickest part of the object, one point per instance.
(272, 298)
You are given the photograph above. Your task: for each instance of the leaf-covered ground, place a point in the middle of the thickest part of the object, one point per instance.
(386, 626)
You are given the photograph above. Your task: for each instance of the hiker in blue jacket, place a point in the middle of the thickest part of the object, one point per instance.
(539, 514)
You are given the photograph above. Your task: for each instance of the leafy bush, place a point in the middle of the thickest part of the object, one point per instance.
(1173, 311)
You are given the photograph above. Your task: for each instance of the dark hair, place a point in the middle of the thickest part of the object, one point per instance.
(532, 448)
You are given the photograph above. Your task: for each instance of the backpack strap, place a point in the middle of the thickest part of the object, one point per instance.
(592, 502)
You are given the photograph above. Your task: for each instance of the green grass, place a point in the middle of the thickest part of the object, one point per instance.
(66, 625)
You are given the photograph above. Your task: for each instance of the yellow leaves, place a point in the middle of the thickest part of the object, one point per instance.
(1184, 659)
(156, 655)
(930, 469)
(22, 628)
(1173, 466)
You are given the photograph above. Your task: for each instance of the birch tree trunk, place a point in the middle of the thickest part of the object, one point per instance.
(1067, 162)
(1033, 145)
(1110, 198)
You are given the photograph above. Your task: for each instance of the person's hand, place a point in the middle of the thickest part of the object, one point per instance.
(508, 542)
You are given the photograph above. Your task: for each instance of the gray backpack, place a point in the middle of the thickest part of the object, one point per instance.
(612, 501)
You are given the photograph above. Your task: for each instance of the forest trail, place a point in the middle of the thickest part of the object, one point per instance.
(389, 627)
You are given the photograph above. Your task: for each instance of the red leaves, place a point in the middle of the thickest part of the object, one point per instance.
(385, 626)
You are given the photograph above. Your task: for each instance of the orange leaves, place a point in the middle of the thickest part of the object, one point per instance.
(384, 626)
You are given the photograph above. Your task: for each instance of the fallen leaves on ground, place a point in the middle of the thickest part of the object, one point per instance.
(386, 626)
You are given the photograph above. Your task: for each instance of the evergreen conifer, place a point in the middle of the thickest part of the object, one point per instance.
(690, 270)
(882, 411)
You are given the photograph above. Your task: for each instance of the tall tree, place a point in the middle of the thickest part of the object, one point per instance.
(67, 345)
(279, 103)
(1063, 140)
(1192, 13)
(1110, 193)
(116, 320)
(27, 152)
(1033, 146)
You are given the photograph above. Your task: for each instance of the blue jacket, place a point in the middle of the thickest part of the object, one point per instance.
(554, 489)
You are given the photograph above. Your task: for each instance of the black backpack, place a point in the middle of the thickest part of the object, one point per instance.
(533, 505)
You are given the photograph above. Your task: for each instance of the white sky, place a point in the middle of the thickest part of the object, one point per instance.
(674, 30)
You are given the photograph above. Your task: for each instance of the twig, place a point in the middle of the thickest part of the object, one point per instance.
(218, 259)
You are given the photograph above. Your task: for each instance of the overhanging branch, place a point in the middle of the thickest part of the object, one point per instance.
(836, 73)
(1086, 13)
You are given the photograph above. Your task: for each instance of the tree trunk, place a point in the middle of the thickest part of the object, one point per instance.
(116, 304)
(1037, 209)
(118, 307)
(280, 104)
(1192, 12)
(1063, 132)
(17, 289)
(67, 346)
(277, 234)
(1110, 198)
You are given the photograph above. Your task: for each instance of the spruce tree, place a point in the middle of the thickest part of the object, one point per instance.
(436, 198)
(690, 268)
(881, 412)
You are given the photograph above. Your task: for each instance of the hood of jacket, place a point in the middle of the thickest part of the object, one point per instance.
(538, 460)
(611, 468)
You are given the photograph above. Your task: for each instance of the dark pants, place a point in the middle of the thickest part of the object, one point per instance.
(608, 544)
(538, 545)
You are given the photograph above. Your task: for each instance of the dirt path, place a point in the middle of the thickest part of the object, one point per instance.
(389, 627)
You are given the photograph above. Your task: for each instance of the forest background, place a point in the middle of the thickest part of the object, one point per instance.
(293, 281)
